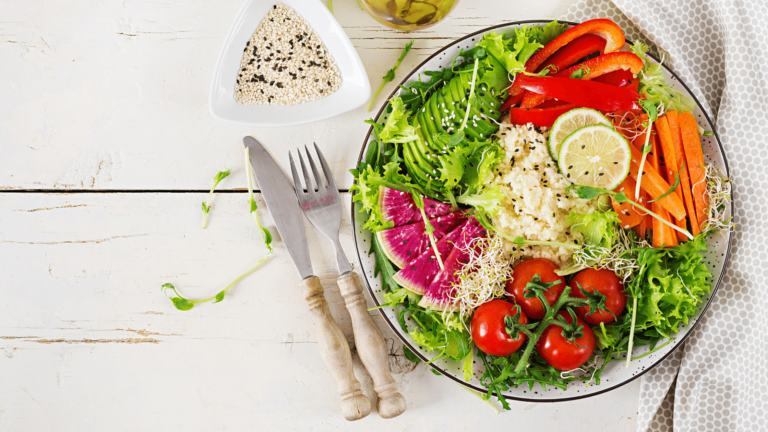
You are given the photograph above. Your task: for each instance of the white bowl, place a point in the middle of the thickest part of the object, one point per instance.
(354, 91)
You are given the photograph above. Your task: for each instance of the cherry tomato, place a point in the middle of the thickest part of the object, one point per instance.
(523, 273)
(561, 353)
(488, 330)
(606, 283)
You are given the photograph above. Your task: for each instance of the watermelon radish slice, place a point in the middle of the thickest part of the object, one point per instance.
(398, 207)
(404, 243)
(419, 273)
(437, 296)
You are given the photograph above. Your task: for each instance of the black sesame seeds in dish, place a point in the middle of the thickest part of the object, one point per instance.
(285, 63)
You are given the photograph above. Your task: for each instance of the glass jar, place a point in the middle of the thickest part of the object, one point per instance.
(408, 15)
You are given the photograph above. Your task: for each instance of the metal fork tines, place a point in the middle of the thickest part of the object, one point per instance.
(321, 203)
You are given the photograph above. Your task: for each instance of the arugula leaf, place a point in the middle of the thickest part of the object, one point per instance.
(221, 175)
(410, 355)
(390, 75)
(184, 304)
(383, 266)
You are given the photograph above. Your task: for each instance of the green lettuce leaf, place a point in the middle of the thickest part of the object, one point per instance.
(487, 201)
(599, 229)
(397, 129)
(495, 45)
(654, 87)
(367, 186)
(671, 289)
(397, 296)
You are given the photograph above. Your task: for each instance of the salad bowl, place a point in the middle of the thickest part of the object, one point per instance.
(615, 373)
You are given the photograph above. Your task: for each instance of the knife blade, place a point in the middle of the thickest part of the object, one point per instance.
(281, 201)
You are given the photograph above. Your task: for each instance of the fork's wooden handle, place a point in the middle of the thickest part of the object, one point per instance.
(335, 352)
(371, 347)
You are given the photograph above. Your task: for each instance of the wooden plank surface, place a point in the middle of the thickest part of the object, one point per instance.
(89, 342)
(114, 94)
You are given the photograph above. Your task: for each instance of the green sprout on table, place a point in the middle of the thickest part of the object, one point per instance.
(185, 304)
(390, 76)
(221, 175)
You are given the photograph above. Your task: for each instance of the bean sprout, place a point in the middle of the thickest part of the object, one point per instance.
(484, 275)
(718, 191)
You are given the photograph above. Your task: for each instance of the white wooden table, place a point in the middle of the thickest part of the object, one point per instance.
(106, 151)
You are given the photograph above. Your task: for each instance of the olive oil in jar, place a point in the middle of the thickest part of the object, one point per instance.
(408, 15)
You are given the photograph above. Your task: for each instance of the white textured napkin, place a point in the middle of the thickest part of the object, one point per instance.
(718, 381)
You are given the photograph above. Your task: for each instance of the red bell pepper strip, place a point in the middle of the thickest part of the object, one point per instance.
(588, 94)
(552, 103)
(573, 52)
(619, 78)
(592, 68)
(611, 31)
(542, 117)
(568, 55)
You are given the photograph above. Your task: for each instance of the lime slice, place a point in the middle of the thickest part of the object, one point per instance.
(596, 156)
(569, 122)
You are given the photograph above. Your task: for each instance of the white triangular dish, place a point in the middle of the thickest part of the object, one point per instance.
(354, 91)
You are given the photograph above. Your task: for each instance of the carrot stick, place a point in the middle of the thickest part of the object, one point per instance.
(685, 180)
(663, 235)
(671, 168)
(628, 214)
(668, 150)
(694, 158)
(656, 186)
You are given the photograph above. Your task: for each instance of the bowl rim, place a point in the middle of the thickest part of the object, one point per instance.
(678, 343)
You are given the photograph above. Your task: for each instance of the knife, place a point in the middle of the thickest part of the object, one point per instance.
(284, 207)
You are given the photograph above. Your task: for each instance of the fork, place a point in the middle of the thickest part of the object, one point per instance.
(322, 206)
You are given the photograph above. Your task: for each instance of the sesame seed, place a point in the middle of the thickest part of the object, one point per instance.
(281, 31)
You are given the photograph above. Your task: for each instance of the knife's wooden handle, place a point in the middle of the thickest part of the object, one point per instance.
(371, 347)
(335, 352)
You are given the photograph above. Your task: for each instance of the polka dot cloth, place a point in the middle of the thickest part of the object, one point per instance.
(719, 380)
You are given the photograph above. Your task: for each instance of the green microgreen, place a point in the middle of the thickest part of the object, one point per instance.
(221, 175)
(428, 228)
(652, 110)
(580, 73)
(521, 241)
(390, 75)
(673, 187)
(184, 304)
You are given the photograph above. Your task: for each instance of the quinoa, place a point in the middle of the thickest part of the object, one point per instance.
(285, 63)
(535, 204)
